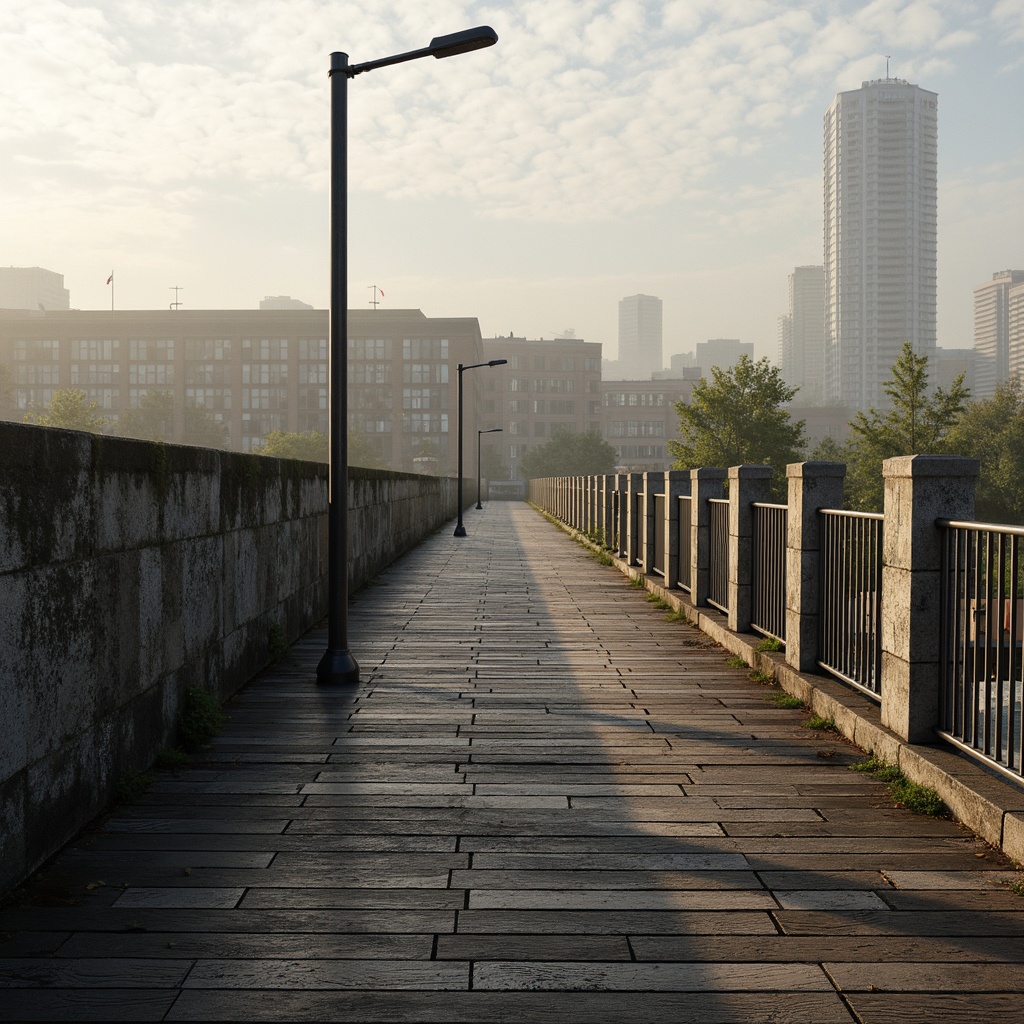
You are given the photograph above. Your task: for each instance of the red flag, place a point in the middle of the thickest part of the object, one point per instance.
(111, 278)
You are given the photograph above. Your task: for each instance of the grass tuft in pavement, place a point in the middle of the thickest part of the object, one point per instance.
(915, 797)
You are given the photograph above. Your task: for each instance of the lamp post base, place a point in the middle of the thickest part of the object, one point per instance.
(460, 531)
(337, 668)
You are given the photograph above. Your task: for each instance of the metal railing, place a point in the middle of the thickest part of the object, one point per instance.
(683, 547)
(850, 642)
(768, 607)
(657, 562)
(982, 626)
(718, 566)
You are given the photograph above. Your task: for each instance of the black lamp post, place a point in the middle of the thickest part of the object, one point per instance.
(493, 430)
(460, 530)
(337, 667)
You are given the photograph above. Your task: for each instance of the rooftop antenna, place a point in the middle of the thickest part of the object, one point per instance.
(887, 56)
(175, 288)
(375, 302)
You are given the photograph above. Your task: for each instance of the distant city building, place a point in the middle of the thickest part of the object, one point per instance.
(949, 363)
(546, 385)
(821, 422)
(640, 352)
(32, 288)
(640, 417)
(724, 353)
(283, 302)
(256, 371)
(880, 177)
(802, 335)
(992, 331)
(1016, 331)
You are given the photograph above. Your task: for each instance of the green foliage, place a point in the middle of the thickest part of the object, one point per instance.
(69, 409)
(569, 454)
(992, 431)
(153, 420)
(735, 661)
(172, 758)
(914, 797)
(310, 446)
(737, 418)
(781, 699)
(132, 785)
(820, 724)
(918, 423)
(757, 676)
(6, 391)
(200, 717)
(770, 643)
(678, 615)
(277, 641)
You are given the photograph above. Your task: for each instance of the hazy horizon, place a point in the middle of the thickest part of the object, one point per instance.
(600, 149)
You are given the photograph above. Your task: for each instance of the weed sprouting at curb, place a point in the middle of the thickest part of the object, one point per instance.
(678, 615)
(735, 661)
(781, 699)
(758, 676)
(820, 724)
(277, 642)
(200, 717)
(132, 785)
(911, 795)
(635, 582)
(769, 644)
(172, 758)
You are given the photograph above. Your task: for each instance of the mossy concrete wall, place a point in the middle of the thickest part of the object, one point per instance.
(130, 571)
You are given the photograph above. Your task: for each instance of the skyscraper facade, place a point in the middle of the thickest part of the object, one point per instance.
(880, 235)
(992, 331)
(802, 335)
(640, 336)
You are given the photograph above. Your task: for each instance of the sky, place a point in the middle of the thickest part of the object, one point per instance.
(601, 148)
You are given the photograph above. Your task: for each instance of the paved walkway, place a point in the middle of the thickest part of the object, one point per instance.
(545, 802)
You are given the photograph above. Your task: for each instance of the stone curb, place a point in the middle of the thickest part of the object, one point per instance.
(991, 807)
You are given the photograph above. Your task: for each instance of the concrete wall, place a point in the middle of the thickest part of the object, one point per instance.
(130, 571)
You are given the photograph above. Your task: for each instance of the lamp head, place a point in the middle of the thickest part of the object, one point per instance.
(497, 362)
(463, 42)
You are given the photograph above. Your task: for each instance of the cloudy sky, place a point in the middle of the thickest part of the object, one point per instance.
(600, 149)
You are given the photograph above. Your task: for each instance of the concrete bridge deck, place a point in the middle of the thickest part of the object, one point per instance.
(545, 802)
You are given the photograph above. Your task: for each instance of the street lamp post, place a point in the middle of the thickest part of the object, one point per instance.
(460, 530)
(337, 667)
(479, 433)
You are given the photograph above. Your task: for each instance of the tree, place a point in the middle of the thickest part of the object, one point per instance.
(6, 391)
(311, 446)
(68, 409)
(992, 431)
(737, 418)
(917, 424)
(569, 454)
(153, 420)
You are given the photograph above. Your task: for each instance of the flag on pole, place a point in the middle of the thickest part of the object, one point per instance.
(111, 278)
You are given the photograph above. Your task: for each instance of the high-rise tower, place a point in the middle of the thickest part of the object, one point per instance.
(640, 336)
(802, 335)
(992, 331)
(880, 235)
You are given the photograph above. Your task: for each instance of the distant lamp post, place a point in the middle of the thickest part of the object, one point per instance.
(493, 430)
(337, 667)
(460, 530)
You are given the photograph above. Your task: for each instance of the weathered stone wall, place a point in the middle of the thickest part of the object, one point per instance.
(130, 571)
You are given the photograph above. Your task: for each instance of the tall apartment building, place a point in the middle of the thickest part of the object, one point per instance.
(640, 353)
(256, 371)
(880, 176)
(32, 288)
(992, 331)
(1016, 330)
(802, 335)
(544, 385)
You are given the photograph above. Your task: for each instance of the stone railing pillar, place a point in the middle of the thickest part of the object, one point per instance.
(747, 485)
(811, 486)
(677, 483)
(918, 490)
(634, 519)
(607, 509)
(704, 484)
(622, 527)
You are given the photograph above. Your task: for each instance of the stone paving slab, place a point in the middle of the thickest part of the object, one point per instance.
(544, 802)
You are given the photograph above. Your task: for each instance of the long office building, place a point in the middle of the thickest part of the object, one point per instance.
(254, 372)
(880, 177)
